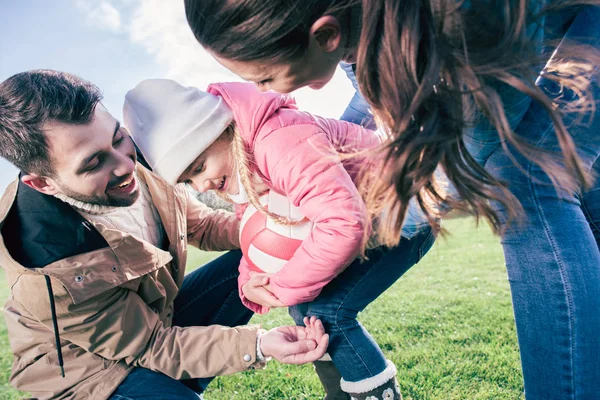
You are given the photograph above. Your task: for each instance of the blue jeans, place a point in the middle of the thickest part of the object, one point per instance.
(552, 256)
(208, 296)
(352, 349)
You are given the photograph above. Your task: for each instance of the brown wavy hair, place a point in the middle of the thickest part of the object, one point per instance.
(429, 69)
(28, 102)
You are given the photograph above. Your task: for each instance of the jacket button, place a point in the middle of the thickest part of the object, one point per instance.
(114, 268)
(182, 237)
(247, 357)
(79, 278)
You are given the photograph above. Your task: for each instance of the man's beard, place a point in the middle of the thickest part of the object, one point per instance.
(100, 201)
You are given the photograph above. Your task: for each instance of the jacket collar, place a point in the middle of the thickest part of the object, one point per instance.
(26, 214)
(110, 258)
(38, 229)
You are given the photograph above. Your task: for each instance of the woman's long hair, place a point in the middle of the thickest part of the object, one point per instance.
(429, 69)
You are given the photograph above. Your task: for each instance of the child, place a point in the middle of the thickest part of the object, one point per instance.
(240, 143)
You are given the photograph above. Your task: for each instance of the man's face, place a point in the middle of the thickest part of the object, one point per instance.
(93, 163)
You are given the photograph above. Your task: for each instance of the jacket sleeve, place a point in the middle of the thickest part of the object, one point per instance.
(242, 279)
(211, 230)
(301, 163)
(119, 325)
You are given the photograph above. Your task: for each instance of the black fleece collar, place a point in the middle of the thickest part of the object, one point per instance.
(41, 229)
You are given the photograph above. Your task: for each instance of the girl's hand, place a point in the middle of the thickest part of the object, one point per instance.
(255, 290)
(296, 344)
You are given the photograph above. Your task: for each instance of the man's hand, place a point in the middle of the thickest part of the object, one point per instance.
(255, 290)
(296, 344)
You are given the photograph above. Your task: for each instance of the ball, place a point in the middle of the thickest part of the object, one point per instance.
(266, 244)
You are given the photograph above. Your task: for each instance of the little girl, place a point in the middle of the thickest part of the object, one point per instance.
(241, 142)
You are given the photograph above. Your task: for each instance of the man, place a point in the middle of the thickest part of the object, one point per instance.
(94, 248)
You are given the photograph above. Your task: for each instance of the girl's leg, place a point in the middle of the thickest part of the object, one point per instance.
(353, 351)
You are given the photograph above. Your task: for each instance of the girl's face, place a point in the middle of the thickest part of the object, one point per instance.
(214, 169)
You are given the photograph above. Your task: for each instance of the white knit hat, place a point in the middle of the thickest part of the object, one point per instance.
(172, 124)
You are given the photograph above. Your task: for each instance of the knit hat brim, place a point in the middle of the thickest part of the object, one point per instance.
(172, 124)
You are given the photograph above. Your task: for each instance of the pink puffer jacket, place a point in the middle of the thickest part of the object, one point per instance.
(297, 154)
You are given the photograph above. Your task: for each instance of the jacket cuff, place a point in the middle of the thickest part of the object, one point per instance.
(261, 360)
(247, 354)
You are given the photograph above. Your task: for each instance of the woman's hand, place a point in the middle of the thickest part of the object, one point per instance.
(256, 290)
(296, 344)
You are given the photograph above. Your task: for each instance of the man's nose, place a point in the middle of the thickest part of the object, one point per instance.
(124, 165)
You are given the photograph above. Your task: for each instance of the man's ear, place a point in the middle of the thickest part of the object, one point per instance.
(42, 184)
(327, 32)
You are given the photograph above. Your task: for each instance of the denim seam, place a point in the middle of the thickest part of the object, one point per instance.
(558, 261)
(425, 242)
(189, 303)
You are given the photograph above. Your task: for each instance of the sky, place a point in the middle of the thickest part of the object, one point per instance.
(118, 43)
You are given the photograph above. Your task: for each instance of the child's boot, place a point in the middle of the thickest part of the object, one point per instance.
(330, 379)
(383, 386)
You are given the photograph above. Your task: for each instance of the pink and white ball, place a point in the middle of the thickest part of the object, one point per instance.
(267, 245)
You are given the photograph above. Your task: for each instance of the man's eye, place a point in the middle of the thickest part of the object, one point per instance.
(119, 140)
(92, 167)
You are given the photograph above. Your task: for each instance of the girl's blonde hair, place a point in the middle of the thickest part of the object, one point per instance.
(243, 165)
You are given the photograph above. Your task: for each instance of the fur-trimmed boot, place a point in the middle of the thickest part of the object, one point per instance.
(330, 379)
(382, 386)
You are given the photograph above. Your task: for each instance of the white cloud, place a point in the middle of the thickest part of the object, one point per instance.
(102, 15)
(160, 27)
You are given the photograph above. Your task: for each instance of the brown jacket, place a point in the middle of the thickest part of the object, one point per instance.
(113, 295)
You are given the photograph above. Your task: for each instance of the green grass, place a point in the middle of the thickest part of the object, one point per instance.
(447, 325)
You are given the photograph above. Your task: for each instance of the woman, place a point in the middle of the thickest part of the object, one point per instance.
(468, 87)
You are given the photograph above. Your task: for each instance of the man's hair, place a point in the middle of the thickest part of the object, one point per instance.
(28, 102)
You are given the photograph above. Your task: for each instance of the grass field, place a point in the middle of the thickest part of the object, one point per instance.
(447, 325)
